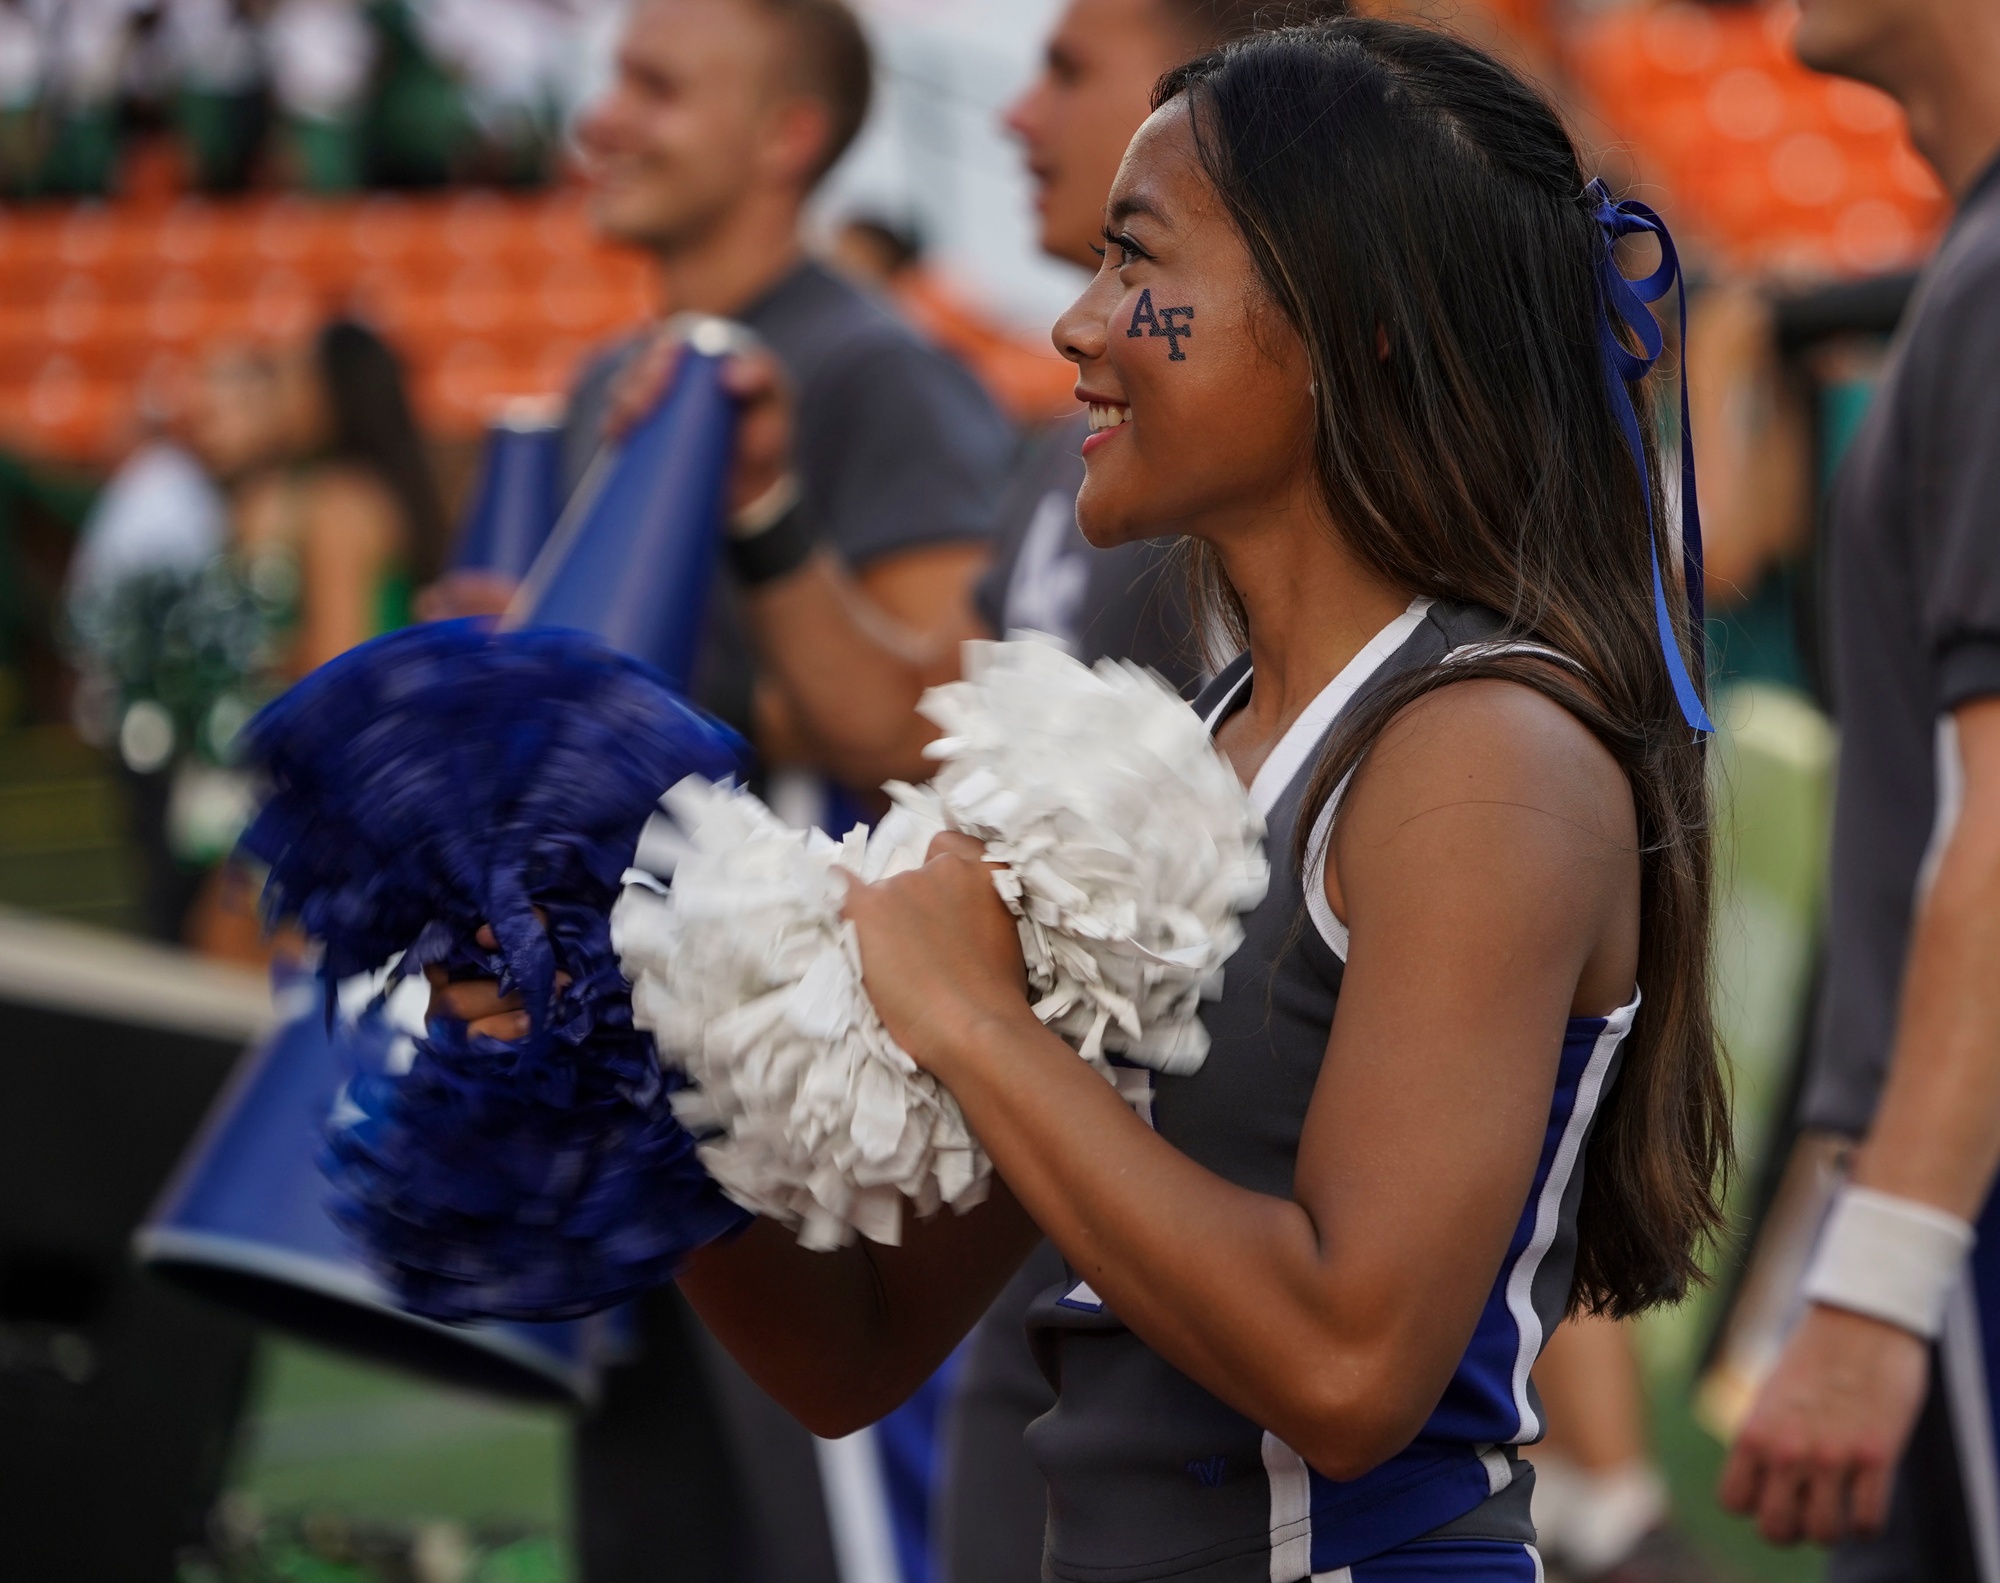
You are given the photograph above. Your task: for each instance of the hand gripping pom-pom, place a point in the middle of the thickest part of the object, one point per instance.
(1129, 849)
(422, 785)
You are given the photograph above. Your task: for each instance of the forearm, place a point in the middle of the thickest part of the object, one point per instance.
(850, 673)
(1235, 1288)
(839, 1339)
(1936, 1136)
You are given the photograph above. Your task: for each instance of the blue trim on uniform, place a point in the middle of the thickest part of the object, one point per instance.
(1423, 1487)
(1479, 1403)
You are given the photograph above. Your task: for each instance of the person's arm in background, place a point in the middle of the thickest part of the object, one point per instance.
(1756, 453)
(1817, 1457)
(351, 536)
(848, 655)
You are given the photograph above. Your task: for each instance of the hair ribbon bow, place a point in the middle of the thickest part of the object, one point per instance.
(1627, 299)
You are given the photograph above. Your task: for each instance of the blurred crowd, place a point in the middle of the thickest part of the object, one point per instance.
(323, 95)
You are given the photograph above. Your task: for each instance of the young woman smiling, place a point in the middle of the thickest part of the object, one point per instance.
(1347, 340)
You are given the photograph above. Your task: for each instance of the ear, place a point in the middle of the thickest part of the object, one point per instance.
(797, 138)
(1382, 343)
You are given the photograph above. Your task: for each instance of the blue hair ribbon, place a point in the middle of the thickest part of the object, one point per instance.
(1627, 299)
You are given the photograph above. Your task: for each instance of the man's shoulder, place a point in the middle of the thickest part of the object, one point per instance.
(1961, 289)
(827, 329)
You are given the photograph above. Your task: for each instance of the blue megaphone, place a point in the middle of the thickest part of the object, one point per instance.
(634, 556)
(519, 493)
(243, 1222)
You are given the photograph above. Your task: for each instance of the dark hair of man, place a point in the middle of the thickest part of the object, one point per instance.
(826, 59)
(374, 429)
(1210, 24)
(1398, 187)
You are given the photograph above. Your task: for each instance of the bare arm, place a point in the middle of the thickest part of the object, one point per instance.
(1333, 1317)
(847, 657)
(842, 1338)
(1818, 1454)
(351, 535)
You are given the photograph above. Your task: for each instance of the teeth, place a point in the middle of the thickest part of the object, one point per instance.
(1105, 416)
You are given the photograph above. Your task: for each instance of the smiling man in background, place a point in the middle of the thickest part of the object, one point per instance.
(720, 119)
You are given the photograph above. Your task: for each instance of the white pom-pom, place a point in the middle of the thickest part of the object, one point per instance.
(1129, 842)
(1129, 848)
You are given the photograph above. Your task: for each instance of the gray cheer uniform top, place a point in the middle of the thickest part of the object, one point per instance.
(1149, 1475)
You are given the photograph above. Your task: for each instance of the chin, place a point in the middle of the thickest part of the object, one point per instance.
(1834, 36)
(626, 217)
(1107, 519)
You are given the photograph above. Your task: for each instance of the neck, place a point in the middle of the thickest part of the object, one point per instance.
(732, 264)
(1949, 86)
(1311, 604)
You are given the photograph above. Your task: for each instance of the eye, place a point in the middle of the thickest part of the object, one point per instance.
(1129, 251)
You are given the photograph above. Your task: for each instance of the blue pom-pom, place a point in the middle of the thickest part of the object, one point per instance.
(422, 785)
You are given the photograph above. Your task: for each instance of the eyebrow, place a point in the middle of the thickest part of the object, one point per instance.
(1124, 208)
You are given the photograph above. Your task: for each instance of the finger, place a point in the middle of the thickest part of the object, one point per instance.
(506, 1026)
(1742, 1481)
(1779, 1506)
(751, 375)
(647, 378)
(471, 999)
(487, 938)
(955, 843)
(1823, 1505)
(1868, 1496)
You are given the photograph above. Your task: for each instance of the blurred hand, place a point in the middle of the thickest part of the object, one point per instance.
(940, 953)
(763, 398)
(1817, 1457)
(466, 593)
(478, 1003)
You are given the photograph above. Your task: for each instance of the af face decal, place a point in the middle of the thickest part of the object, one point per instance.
(1173, 323)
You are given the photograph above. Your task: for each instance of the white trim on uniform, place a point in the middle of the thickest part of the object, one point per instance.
(1304, 733)
(1223, 703)
(857, 1508)
(1291, 1511)
(1548, 1210)
(1313, 879)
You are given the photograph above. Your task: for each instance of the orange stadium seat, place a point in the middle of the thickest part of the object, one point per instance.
(1768, 166)
(487, 296)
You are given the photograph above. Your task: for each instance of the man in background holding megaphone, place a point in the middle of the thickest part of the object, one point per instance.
(720, 119)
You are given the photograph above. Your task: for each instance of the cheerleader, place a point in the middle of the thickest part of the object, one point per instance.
(1350, 338)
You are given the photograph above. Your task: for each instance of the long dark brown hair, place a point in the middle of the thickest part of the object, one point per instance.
(1396, 185)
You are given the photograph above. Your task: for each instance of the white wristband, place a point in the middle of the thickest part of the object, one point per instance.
(1890, 1258)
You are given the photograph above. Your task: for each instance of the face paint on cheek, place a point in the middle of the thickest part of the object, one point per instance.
(1173, 323)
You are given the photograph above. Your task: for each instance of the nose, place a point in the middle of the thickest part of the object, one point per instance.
(1019, 116)
(1081, 334)
(594, 125)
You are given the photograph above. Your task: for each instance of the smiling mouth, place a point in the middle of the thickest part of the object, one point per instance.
(1104, 415)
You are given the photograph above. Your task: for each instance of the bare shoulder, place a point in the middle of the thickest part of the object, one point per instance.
(1492, 745)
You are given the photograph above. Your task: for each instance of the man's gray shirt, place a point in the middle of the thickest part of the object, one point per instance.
(1914, 632)
(1125, 603)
